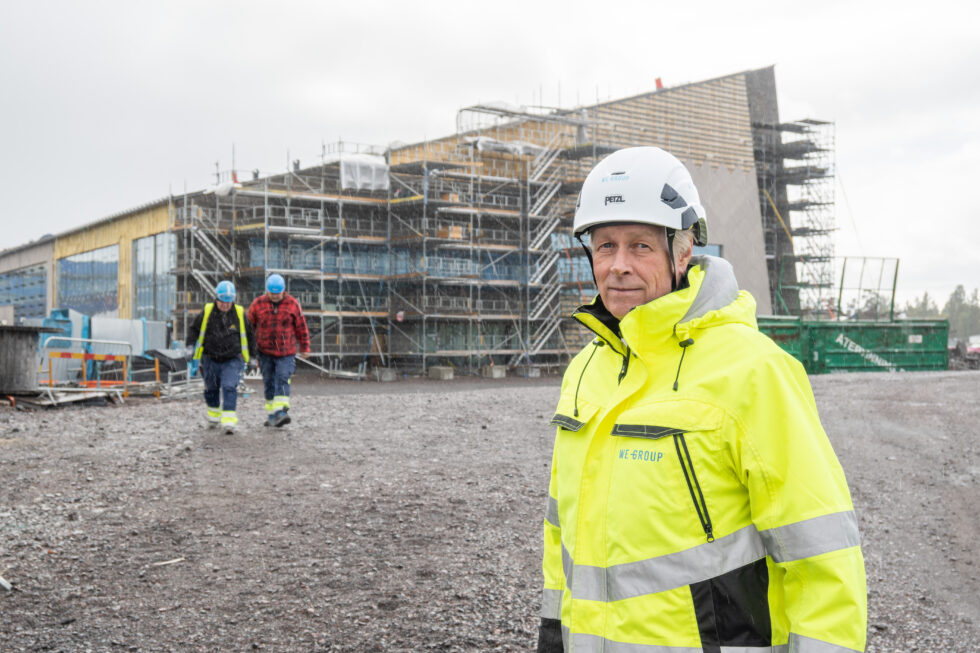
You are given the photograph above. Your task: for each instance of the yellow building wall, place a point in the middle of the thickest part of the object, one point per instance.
(121, 231)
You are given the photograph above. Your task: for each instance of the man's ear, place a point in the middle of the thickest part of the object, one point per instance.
(682, 262)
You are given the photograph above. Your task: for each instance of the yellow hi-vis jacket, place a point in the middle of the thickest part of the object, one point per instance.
(695, 501)
(199, 347)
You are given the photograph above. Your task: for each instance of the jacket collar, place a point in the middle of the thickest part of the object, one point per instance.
(711, 286)
(597, 318)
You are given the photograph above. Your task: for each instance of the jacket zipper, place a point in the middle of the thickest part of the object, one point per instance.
(698, 497)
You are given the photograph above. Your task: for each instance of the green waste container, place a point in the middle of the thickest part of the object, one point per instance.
(787, 332)
(861, 346)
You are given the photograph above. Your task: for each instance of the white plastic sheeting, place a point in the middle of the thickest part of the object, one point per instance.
(141, 335)
(62, 369)
(487, 144)
(156, 335)
(363, 172)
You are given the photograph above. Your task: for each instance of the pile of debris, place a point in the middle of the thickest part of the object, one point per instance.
(964, 354)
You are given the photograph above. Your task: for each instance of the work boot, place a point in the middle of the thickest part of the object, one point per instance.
(270, 420)
(229, 421)
(281, 418)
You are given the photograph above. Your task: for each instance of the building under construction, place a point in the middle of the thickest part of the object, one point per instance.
(456, 251)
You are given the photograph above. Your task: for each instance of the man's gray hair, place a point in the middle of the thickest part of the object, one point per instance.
(683, 241)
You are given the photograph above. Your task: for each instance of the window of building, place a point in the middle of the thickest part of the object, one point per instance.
(709, 250)
(89, 282)
(26, 290)
(154, 285)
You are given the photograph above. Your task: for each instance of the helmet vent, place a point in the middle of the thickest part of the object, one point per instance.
(671, 198)
(689, 217)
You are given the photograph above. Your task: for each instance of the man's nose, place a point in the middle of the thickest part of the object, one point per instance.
(621, 263)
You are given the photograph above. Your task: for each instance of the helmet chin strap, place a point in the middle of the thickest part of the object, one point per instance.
(670, 257)
(588, 255)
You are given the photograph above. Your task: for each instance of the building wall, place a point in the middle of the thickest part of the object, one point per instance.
(708, 125)
(730, 199)
(703, 123)
(41, 253)
(763, 103)
(120, 231)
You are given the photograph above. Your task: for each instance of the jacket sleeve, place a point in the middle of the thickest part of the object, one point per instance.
(802, 508)
(301, 329)
(250, 335)
(253, 312)
(549, 632)
(194, 330)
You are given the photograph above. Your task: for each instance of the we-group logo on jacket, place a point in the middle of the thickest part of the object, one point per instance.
(640, 455)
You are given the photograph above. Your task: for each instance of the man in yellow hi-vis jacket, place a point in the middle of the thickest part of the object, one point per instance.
(223, 341)
(695, 502)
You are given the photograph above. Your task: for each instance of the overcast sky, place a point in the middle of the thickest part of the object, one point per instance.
(109, 105)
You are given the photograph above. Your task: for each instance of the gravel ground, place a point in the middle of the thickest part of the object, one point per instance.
(406, 517)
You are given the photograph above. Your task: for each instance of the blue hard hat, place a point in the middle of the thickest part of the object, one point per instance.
(275, 283)
(225, 291)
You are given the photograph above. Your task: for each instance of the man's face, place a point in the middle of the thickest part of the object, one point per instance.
(276, 296)
(224, 307)
(631, 265)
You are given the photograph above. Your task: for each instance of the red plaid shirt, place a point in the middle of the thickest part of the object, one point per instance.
(279, 327)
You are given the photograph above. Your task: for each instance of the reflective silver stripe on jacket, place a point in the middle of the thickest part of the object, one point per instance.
(581, 643)
(812, 537)
(801, 644)
(666, 572)
(566, 565)
(551, 512)
(551, 604)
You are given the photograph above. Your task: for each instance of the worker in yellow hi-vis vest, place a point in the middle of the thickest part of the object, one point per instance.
(224, 343)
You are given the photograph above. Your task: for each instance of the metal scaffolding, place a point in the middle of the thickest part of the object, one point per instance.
(464, 255)
(328, 242)
(795, 172)
(477, 281)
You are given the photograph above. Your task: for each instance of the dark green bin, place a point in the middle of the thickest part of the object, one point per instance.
(787, 332)
(861, 346)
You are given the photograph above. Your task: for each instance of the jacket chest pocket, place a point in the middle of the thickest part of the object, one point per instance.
(573, 413)
(665, 455)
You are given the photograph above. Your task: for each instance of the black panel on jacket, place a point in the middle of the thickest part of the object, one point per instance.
(549, 636)
(733, 609)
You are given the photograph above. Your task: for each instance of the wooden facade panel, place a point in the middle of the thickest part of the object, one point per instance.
(706, 123)
(121, 231)
(111, 232)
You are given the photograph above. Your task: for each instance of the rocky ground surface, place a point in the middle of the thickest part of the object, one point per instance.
(406, 517)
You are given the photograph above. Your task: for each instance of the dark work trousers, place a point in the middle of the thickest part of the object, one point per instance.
(276, 371)
(221, 382)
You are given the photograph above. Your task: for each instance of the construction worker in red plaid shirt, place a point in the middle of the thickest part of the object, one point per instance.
(280, 331)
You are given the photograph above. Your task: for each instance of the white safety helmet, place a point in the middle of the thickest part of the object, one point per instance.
(641, 185)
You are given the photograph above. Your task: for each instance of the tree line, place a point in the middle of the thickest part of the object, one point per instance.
(962, 312)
